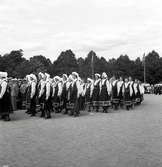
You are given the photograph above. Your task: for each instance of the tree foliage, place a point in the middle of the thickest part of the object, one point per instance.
(17, 66)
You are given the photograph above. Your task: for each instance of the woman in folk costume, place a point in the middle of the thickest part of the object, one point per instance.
(120, 83)
(105, 91)
(115, 93)
(142, 91)
(33, 84)
(136, 84)
(23, 89)
(5, 98)
(64, 94)
(48, 97)
(14, 94)
(38, 88)
(82, 97)
(96, 90)
(88, 93)
(134, 88)
(57, 90)
(127, 93)
(75, 94)
(69, 106)
(42, 94)
(28, 94)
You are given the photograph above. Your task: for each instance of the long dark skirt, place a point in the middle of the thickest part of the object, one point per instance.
(47, 106)
(5, 104)
(95, 97)
(33, 106)
(127, 99)
(75, 101)
(104, 98)
(82, 103)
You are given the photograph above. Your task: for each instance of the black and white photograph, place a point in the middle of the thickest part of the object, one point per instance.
(81, 83)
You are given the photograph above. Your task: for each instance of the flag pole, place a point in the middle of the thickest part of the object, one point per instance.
(92, 66)
(144, 69)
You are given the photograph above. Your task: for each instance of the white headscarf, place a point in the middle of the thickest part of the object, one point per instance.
(34, 77)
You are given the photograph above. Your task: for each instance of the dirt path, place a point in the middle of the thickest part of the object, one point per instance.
(117, 139)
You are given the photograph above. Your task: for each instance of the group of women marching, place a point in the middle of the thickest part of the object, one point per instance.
(71, 94)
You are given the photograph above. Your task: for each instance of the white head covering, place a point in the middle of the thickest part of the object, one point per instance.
(34, 77)
(97, 75)
(41, 74)
(70, 77)
(104, 75)
(65, 76)
(56, 77)
(76, 74)
(47, 76)
(3, 74)
(28, 78)
(90, 80)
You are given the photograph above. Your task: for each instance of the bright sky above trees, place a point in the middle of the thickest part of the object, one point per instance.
(108, 27)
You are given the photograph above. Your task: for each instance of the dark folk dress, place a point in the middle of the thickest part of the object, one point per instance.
(127, 98)
(115, 96)
(82, 98)
(64, 96)
(5, 102)
(32, 102)
(138, 95)
(47, 103)
(74, 99)
(121, 94)
(104, 98)
(28, 97)
(133, 97)
(95, 95)
(69, 105)
(88, 99)
(56, 99)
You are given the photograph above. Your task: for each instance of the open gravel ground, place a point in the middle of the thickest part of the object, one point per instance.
(116, 139)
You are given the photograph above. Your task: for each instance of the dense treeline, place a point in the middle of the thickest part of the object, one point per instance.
(17, 66)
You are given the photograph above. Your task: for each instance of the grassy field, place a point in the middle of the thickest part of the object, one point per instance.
(117, 139)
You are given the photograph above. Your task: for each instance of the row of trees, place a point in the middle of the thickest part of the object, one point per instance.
(17, 66)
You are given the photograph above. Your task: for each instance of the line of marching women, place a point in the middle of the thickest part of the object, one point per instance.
(114, 92)
(67, 94)
(71, 94)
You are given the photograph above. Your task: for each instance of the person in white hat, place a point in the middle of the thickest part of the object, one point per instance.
(41, 93)
(48, 97)
(95, 93)
(64, 94)
(57, 90)
(115, 93)
(14, 93)
(5, 99)
(82, 95)
(69, 106)
(28, 89)
(38, 87)
(134, 88)
(88, 93)
(33, 94)
(75, 94)
(105, 92)
(127, 93)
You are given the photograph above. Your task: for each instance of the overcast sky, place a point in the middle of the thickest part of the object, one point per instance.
(108, 27)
